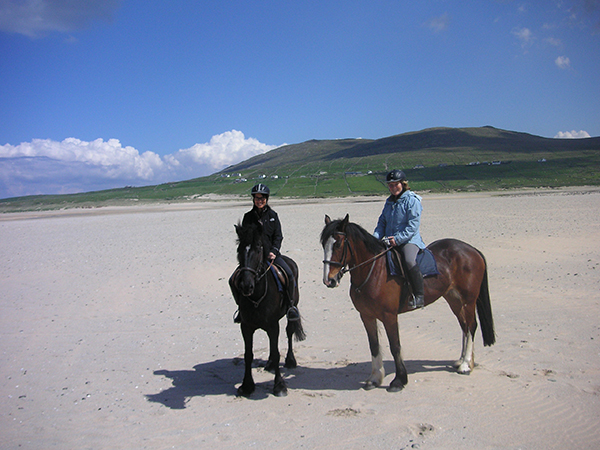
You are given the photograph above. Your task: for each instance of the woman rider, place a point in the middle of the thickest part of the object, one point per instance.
(398, 225)
(262, 213)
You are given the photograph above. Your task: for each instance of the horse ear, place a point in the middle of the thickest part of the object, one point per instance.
(327, 219)
(344, 223)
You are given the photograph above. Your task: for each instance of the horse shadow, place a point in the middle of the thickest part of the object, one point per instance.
(221, 376)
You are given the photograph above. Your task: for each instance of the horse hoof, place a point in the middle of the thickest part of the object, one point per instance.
(464, 368)
(280, 392)
(290, 363)
(245, 391)
(369, 385)
(393, 388)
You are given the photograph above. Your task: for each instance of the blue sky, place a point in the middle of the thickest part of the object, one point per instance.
(107, 93)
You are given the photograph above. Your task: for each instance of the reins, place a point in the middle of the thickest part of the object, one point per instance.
(345, 269)
(256, 303)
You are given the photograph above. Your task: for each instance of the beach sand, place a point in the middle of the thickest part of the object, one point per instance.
(116, 332)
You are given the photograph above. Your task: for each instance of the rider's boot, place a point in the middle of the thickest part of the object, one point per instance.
(236, 317)
(416, 282)
(292, 313)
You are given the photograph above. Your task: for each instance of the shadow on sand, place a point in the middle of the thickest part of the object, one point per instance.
(220, 377)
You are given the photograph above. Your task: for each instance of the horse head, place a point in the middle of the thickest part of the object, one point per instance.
(250, 254)
(335, 247)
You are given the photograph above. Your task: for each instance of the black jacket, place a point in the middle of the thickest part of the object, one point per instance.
(271, 226)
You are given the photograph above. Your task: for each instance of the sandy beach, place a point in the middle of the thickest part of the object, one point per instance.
(116, 332)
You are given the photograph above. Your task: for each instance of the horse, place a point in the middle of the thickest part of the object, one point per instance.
(261, 306)
(376, 295)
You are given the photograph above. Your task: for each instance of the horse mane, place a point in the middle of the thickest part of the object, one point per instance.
(354, 232)
(249, 235)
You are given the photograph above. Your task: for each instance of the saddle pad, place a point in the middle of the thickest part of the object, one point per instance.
(425, 261)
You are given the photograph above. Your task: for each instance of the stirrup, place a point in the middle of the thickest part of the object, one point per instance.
(416, 302)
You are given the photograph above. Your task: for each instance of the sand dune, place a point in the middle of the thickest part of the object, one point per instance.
(116, 333)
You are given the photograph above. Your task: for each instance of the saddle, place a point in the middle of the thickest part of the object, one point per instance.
(426, 263)
(280, 276)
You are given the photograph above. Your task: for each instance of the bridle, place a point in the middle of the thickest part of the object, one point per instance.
(343, 263)
(257, 278)
(345, 250)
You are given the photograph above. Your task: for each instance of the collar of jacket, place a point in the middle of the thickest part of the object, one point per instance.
(261, 212)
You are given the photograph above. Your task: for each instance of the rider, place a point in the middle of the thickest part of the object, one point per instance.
(398, 225)
(262, 213)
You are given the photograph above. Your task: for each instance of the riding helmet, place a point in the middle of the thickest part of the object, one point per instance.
(395, 175)
(261, 189)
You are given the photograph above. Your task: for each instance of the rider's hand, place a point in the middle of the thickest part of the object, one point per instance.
(389, 241)
(271, 256)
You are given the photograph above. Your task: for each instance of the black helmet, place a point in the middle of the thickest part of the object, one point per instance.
(261, 189)
(395, 175)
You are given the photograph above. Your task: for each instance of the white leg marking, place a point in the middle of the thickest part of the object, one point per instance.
(462, 352)
(467, 358)
(377, 370)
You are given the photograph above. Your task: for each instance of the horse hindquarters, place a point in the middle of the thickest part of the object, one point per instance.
(464, 274)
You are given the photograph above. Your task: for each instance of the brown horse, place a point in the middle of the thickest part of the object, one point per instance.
(462, 281)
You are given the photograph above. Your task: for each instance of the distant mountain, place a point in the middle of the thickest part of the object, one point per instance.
(474, 140)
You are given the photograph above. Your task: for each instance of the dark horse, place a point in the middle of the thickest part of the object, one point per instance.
(462, 281)
(261, 305)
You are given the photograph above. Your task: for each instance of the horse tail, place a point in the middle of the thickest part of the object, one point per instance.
(484, 309)
(297, 329)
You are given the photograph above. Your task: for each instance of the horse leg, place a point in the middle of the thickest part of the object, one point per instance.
(466, 363)
(465, 313)
(290, 359)
(279, 388)
(377, 369)
(248, 385)
(391, 328)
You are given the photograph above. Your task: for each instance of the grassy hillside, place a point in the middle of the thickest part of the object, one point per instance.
(436, 160)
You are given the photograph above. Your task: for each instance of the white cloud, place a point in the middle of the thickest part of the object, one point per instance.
(222, 150)
(563, 62)
(43, 166)
(572, 134)
(439, 24)
(524, 35)
(34, 18)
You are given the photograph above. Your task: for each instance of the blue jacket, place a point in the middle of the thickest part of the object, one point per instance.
(401, 219)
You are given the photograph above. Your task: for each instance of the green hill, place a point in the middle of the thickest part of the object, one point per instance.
(435, 160)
